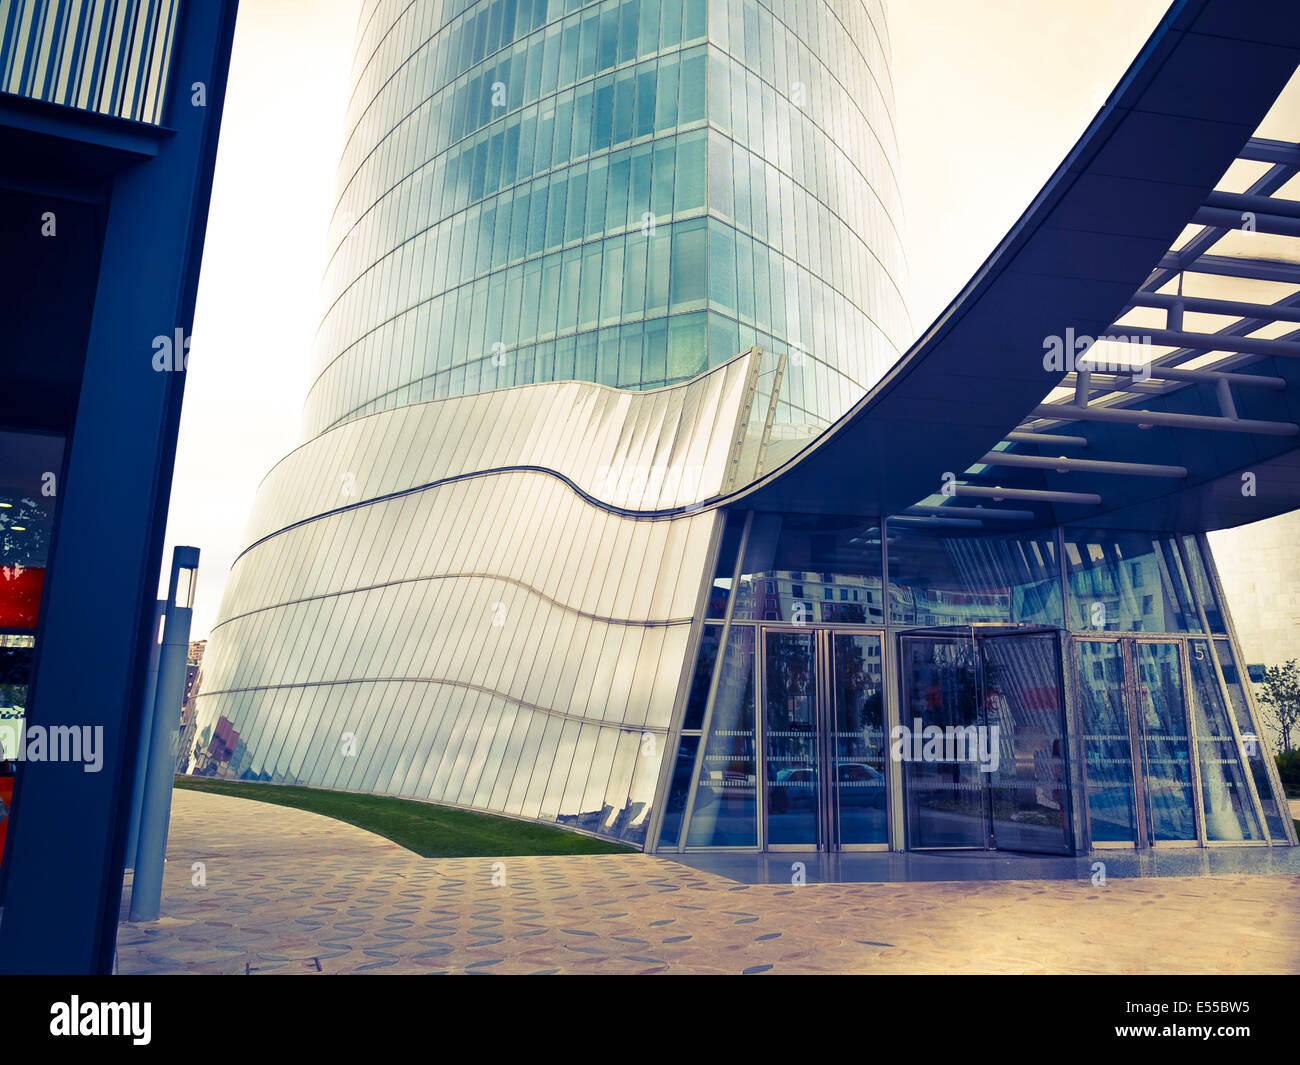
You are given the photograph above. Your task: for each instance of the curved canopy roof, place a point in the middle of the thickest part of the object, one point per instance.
(1175, 222)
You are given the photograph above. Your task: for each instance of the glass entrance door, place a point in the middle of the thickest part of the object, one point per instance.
(824, 739)
(983, 742)
(1137, 745)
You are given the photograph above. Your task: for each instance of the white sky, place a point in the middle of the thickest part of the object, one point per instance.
(990, 97)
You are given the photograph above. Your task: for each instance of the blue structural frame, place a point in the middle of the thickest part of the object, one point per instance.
(68, 830)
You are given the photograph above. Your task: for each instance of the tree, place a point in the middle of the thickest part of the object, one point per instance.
(1280, 692)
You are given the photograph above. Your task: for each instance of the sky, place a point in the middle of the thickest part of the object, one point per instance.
(989, 98)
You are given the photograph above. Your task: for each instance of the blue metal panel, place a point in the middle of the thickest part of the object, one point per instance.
(110, 56)
(68, 829)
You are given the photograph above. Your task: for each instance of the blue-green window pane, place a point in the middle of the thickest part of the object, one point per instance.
(630, 344)
(604, 111)
(691, 173)
(692, 93)
(563, 131)
(670, 24)
(569, 51)
(646, 83)
(687, 276)
(648, 28)
(661, 195)
(557, 197)
(655, 353)
(666, 94)
(611, 301)
(696, 20)
(537, 218)
(657, 267)
(687, 340)
(607, 51)
(629, 13)
(620, 172)
(722, 266)
(638, 205)
(719, 92)
(551, 269)
(596, 183)
(724, 339)
(582, 111)
(570, 276)
(589, 289)
(575, 214)
(624, 106)
(587, 44)
(720, 201)
(634, 264)
(585, 357)
(607, 357)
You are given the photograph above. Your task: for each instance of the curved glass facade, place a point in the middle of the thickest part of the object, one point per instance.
(627, 192)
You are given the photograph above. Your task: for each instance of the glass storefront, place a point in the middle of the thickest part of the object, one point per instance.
(826, 713)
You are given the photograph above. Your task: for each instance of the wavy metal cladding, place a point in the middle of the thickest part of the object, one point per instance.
(485, 600)
(109, 56)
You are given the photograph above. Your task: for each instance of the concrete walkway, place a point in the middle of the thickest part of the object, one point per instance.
(284, 891)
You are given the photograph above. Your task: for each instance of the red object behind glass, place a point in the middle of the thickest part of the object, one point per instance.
(20, 596)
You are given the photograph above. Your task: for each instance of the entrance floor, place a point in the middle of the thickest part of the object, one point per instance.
(286, 891)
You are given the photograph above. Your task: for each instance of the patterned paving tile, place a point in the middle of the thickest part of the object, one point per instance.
(289, 892)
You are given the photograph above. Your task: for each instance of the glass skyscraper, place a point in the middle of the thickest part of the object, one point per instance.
(627, 192)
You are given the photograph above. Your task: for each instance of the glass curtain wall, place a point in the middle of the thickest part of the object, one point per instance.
(1166, 722)
(622, 191)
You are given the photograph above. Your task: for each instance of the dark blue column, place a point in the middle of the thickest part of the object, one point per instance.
(69, 827)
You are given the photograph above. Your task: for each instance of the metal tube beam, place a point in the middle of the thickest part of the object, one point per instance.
(1211, 377)
(971, 512)
(1021, 436)
(1082, 387)
(1260, 223)
(1265, 150)
(1271, 311)
(1067, 465)
(1227, 266)
(927, 520)
(1029, 495)
(1115, 383)
(1179, 338)
(1244, 202)
(1227, 407)
(1127, 416)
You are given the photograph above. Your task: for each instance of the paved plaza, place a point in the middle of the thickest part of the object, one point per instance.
(283, 891)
